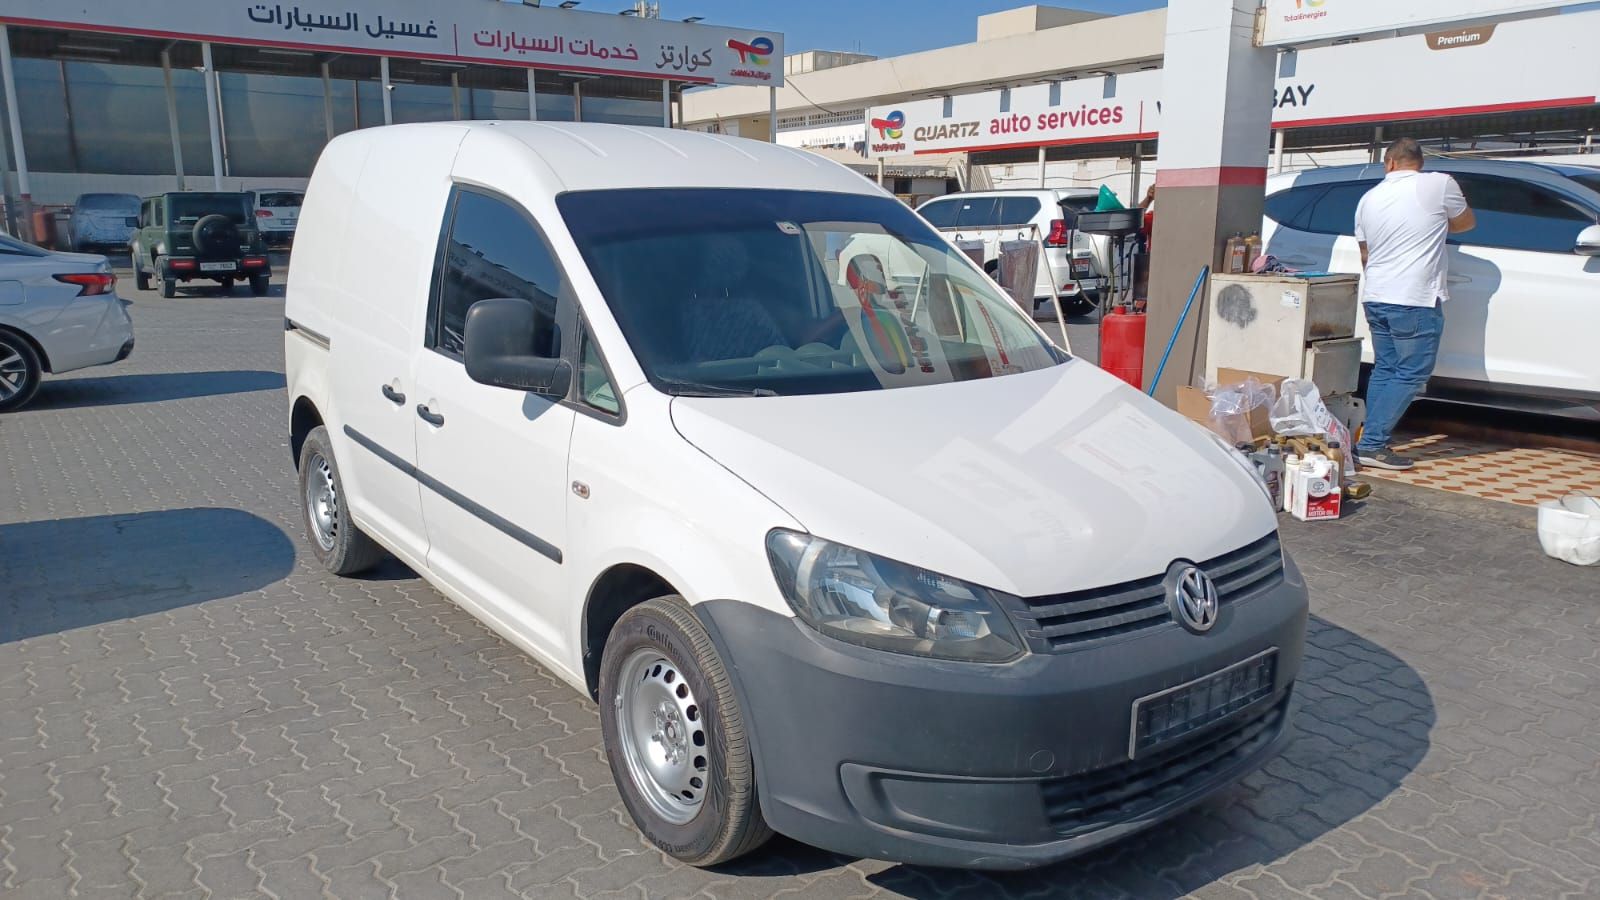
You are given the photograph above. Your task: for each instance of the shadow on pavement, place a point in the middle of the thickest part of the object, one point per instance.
(72, 573)
(1362, 721)
(114, 390)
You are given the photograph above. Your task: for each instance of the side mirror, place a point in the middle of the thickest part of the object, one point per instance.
(1588, 242)
(498, 338)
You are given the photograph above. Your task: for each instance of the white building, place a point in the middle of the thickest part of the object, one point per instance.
(1024, 102)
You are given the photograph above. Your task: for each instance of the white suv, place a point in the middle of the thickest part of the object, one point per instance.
(872, 565)
(1523, 321)
(1076, 260)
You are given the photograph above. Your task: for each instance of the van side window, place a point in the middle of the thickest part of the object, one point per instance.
(492, 251)
(1515, 215)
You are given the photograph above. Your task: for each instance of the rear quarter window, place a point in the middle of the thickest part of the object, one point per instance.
(1321, 208)
(280, 199)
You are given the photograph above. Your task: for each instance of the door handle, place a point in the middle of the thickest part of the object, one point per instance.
(429, 416)
(394, 396)
(1460, 279)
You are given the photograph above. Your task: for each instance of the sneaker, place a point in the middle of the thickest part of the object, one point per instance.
(1385, 459)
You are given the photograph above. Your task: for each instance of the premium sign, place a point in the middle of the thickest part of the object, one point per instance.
(1485, 71)
(1454, 73)
(476, 31)
(1286, 22)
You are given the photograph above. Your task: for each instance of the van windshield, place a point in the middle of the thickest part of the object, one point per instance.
(754, 292)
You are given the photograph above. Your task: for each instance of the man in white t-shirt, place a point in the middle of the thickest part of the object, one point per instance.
(1402, 225)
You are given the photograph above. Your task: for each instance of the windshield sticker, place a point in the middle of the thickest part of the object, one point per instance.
(789, 228)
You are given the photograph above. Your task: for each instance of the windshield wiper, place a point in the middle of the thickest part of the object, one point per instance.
(695, 389)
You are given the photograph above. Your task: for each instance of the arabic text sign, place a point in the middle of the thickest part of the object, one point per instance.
(505, 33)
(1304, 21)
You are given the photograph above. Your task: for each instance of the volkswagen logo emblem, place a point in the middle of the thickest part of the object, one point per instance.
(1193, 597)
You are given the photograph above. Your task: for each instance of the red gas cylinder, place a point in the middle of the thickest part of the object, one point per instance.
(1122, 345)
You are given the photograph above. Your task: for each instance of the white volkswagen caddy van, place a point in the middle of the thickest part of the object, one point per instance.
(858, 557)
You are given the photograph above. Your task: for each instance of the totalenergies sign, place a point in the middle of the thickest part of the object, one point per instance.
(890, 129)
(1287, 22)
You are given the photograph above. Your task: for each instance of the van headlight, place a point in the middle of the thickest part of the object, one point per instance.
(1242, 462)
(854, 596)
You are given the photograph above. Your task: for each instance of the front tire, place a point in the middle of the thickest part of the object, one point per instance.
(675, 737)
(339, 545)
(141, 278)
(20, 372)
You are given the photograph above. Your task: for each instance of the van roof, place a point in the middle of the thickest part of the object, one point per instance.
(593, 156)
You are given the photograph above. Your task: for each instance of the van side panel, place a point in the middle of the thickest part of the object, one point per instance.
(385, 266)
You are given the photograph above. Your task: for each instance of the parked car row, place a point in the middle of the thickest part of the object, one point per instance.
(107, 222)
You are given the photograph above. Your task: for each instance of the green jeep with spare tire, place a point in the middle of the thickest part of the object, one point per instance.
(212, 236)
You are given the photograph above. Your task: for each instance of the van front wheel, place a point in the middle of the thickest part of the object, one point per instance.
(675, 736)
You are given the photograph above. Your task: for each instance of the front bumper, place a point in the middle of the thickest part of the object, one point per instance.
(1000, 767)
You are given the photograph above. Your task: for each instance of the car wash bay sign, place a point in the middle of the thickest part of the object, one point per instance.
(1285, 22)
(1457, 72)
(462, 31)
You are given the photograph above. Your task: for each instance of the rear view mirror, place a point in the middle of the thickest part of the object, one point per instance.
(498, 337)
(1588, 242)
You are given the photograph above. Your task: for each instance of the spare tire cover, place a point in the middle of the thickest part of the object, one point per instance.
(216, 234)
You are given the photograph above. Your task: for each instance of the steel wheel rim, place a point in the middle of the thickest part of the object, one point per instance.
(661, 729)
(13, 372)
(322, 501)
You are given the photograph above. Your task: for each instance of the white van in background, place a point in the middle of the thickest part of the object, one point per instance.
(860, 560)
(1077, 261)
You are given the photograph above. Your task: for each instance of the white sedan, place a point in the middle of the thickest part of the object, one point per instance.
(58, 312)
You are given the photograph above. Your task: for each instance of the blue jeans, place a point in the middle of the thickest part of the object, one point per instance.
(1405, 346)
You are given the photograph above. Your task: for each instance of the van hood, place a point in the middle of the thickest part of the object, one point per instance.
(1034, 484)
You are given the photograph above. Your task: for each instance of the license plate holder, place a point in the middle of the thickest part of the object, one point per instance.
(1166, 716)
(219, 267)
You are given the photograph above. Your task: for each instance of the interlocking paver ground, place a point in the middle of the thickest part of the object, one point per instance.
(188, 706)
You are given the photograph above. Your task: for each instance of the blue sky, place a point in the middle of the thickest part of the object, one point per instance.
(879, 27)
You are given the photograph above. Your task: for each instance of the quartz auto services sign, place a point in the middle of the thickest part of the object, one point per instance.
(1286, 22)
(1090, 110)
(464, 30)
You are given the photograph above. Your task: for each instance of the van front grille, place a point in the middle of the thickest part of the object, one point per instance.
(1084, 803)
(1086, 618)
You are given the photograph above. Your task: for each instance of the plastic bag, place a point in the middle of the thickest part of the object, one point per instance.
(1232, 404)
(1299, 411)
(1569, 529)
